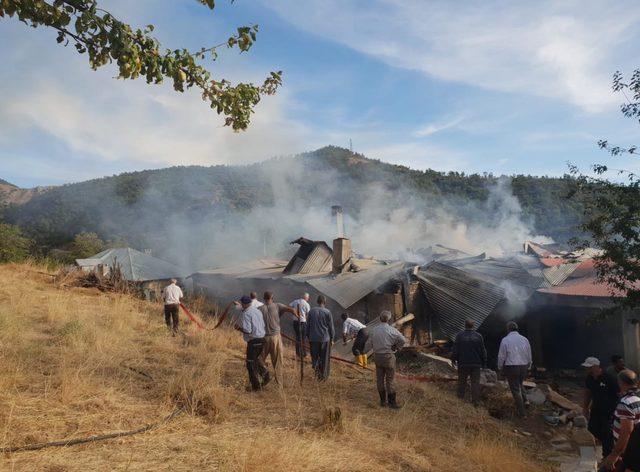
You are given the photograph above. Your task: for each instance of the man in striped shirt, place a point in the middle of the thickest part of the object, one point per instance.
(625, 418)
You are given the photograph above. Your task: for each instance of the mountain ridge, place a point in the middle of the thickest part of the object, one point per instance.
(129, 206)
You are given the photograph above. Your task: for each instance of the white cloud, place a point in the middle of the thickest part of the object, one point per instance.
(429, 129)
(561, 50)
(92, 114)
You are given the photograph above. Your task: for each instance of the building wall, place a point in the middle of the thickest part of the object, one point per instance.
(563, 336)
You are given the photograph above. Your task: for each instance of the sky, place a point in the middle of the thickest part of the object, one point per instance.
(472, 86)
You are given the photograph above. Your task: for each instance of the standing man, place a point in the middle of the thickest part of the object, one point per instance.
(514, 359)
(600, 400)
(320, 332)
(352, 328)
(469, 355)
(385, 340)
(171, 295)
(302, 307)
(625, 418)
(272, 312)
(252, 327)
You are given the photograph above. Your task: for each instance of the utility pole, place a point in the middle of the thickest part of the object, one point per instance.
(350, 146)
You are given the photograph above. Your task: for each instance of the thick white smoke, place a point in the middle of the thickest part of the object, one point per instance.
(383, 222)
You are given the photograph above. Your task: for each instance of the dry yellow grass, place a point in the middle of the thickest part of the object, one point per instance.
(72, 365)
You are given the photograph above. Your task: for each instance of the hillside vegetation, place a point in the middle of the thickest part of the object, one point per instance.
(78, 362)
(144, 209)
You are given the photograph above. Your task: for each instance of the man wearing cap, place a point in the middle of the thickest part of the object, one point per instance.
(599, 403)
(514, 360)
(253, 331)
(625, 418)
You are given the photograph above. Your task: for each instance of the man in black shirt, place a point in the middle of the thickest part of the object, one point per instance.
(600, 400)
(470, 355)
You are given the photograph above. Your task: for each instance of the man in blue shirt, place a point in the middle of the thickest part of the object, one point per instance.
(320, 332)
(252, 326)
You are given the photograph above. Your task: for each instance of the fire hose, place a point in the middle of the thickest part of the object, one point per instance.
(408, 377)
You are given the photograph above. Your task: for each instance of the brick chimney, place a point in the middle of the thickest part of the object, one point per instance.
(341, 255)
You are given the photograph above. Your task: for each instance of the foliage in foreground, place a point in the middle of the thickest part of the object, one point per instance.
(106, 39)
(612, 209)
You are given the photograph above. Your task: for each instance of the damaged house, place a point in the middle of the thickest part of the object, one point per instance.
(553, 294)
(150, 273)
(363, 287)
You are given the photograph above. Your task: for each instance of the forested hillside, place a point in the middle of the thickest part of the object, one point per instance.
(168, 207)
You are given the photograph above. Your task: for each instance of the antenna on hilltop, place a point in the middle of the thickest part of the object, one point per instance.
(350, 146)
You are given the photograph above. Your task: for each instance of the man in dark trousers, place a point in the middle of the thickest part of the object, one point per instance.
(320, 332)
(385, 340)
(252, 326)
(514, 360)
(599, 402)
(469, 355)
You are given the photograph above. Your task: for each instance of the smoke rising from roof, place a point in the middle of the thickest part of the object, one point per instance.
(384, 217)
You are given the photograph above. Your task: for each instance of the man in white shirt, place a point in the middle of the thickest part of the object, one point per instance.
(514, 360)
(302, 307)
(171, 295)
(254, 300)
(354, 329)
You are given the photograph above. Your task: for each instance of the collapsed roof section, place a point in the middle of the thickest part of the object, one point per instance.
(136, 266)
(345, 289)
(311, 257)
(455, 295)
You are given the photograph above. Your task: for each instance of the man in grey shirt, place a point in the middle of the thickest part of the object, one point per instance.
(320, 332)
(385, 340)
(272, 312)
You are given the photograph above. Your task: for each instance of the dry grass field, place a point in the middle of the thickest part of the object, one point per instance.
(78, 362)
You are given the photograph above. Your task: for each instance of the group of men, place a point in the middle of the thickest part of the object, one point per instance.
(260, 326)
(612, 405)
(611, 400)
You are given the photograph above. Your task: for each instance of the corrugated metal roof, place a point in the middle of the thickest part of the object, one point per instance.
(311, 257)
(349, 287)
(584, 287)
(456, 296)
(500, 271)
(246, 267)
(135, 265)
(319, 260)
(556, 275)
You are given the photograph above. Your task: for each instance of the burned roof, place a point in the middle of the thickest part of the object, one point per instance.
(455, 295)
(345, 289)
(311, 257)
(349, 287)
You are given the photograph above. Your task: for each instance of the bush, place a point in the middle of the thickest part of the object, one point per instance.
(86, 245)
(14, 246)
